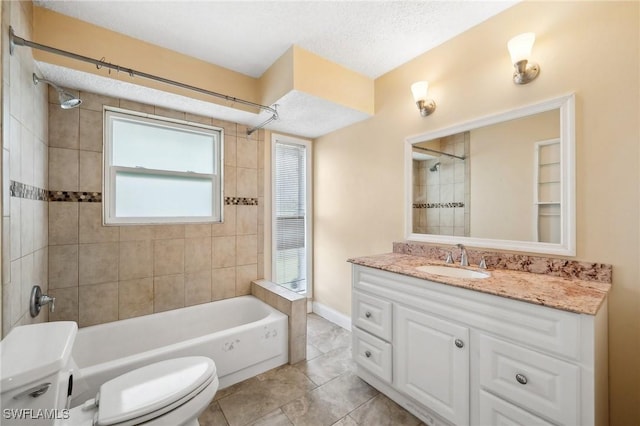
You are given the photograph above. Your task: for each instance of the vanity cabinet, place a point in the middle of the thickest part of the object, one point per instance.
(454, 356)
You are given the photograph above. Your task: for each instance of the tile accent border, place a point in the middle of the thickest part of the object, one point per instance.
(437, 205)
(240, 201)
(564, 268)
(29, 192)
(79, 197)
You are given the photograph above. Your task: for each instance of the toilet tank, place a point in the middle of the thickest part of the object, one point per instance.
(35, 373)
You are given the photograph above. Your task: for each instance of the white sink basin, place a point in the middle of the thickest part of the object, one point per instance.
(452, 271)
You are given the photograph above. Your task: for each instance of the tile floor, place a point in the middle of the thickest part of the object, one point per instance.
(322, 390)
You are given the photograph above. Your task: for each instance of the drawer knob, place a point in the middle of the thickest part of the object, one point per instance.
(367, 354)
(459, 343)
(521, 378)
(367, 314)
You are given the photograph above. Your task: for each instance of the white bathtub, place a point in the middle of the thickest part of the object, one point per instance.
(243, 335)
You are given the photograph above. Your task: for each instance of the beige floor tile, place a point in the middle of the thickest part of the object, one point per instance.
(212, 416)
(383, 412)
(327, 367)
(274, 418)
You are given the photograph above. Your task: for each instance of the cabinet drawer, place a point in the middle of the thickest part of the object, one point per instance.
(538, 383)
(496, 411)
(372, 314)
(372, 353)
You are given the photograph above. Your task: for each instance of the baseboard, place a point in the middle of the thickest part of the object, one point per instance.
(332, 315)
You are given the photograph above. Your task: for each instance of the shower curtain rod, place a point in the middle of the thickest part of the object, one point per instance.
(439, 152)
(14, 40)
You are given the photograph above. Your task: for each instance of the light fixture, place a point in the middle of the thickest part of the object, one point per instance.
(520, 50)
(419, 90)
(66, 99)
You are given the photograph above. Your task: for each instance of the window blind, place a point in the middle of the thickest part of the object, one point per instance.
(290, 216)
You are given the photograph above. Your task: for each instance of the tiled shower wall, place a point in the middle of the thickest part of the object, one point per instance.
(104, 273)
(24, 168)
(441, 197)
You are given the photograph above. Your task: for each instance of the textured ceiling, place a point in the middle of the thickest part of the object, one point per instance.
(369, 37)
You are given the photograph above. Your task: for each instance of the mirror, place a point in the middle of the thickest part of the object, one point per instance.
(505, 181)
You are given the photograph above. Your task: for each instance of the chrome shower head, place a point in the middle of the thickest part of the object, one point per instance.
(435, 167)
(66, 99)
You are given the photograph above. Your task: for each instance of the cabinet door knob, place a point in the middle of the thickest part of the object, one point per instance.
(367, 314)
(521, 378)
(367, 354)
(459, 343)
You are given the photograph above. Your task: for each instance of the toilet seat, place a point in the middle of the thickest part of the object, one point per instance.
(151, 391)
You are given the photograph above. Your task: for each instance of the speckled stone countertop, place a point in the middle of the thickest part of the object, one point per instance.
(568, 294)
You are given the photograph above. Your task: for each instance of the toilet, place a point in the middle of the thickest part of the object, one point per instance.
(36, 385)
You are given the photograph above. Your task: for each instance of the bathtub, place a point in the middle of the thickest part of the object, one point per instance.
(243, 335)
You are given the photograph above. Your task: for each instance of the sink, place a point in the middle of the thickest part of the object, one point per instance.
(452, 271)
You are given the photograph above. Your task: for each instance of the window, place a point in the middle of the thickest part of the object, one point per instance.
(291, 213)
(158, 170)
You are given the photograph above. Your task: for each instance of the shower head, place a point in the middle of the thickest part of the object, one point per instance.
(435, 167)
(66, 99)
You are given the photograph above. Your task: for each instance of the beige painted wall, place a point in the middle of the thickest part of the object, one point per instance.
(590, 48)
(502, 176)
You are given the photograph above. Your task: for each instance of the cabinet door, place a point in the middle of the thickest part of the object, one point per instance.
(496, 411)
(431, 363)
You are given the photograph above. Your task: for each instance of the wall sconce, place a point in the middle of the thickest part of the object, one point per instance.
(419, 90)
(520, 50)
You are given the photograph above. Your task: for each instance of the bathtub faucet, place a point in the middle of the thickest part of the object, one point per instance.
(38, 300)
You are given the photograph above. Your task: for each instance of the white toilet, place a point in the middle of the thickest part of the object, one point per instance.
(36, 385)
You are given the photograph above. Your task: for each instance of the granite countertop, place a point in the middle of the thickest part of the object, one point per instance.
(568, 294)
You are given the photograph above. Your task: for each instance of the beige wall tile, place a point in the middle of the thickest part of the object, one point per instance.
(246, 249)
(98, 263)
(223, 283)
(230, 187)
(168, 257)
(168, 292)
(63, 128)
(170, 113)
(63, 169)
(91, 229)
(40, 224)
(66, 304)
(197, 254)
(247, 153)
(298, 318)
(136, 106)
(247, 182)
(26, 225)
(260, 183)
(136, 232)
(228, 227)
(244, 275)
(135, 298)
(297, 349)
(197, 230)
(63, 266)
(95, 102)
(168, 231)
(63, 223)
(98, 304)
(91, 130)
(200, 119)
(247, 220)
(229, 128)
(261, 147)
(223, 252)
(197, 287)
(90, 171)
(230, 144)
(136, 259)
(26, 281)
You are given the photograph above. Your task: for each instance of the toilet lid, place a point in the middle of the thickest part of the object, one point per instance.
(151, 388)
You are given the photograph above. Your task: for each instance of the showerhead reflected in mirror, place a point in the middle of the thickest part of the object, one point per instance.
(66, 99)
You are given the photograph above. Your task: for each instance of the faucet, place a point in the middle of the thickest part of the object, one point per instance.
(464, 260)
(38, 300)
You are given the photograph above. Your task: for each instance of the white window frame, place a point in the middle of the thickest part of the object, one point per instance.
(109, 170)
(308, 225)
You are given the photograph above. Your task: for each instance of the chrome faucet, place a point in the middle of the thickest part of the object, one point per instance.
(38, 300)
(464, 260)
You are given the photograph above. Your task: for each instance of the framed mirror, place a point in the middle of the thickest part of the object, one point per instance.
(505, 181)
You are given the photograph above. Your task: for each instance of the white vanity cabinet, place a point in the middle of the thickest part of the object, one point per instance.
(454, 356)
